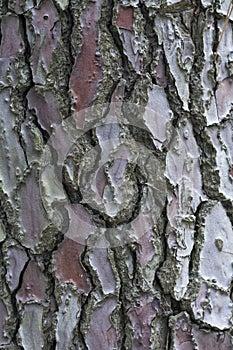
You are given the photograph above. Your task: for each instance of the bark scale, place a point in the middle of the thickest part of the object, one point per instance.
(142, 257)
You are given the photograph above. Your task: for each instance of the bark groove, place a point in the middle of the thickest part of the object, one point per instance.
(116, 175)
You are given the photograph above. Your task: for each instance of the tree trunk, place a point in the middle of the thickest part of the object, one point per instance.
(116, 169)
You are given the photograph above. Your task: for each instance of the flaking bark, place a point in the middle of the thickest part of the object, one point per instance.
(160, 277)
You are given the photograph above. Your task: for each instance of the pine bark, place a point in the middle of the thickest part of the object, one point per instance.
(116, 170)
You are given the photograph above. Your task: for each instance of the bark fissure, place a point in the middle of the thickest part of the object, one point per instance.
(125, 241)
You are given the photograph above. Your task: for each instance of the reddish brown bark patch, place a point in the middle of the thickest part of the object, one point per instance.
(125, 18)
(33, 286)
(11, 44)
(87, 70)
(101, 334)
(68, 267)
(124, 24)
(141, 317)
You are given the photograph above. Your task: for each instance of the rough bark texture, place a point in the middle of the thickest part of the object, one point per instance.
(140, 258)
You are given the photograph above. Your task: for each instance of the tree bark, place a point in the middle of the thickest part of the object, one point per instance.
(116, 169)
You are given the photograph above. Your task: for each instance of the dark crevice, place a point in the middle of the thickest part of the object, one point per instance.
(27, 52)
(209, 172)
(70, 27)
(172, 95)
(4, 215)
(182, 21)
(81, 338)
(44, 133)
(4, 8)
(0, 31)
(91, 137)
(170, 88)
(202, 326)
(47, 258)
(197, 25)
(84, 262)
(67, 40)
(231, 290)
(176, 306)
(100, 219)
(27, 56)
(110, 93)
(169, 338)
(128, 72)
(74, 194)
(144, 137)
(228, 206)
(216, 38)
(215, 46)
(14, 301)
(53, 345)
(196, 246)
(8, 219)
(85, 298)
(118, 43)
(156, 281)
(49, 331)
(217, 33)
(135, 262)
(152, 38)
(24, 90)
(125, 286)
(130, 87)
(207, 151)
(23, 146)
